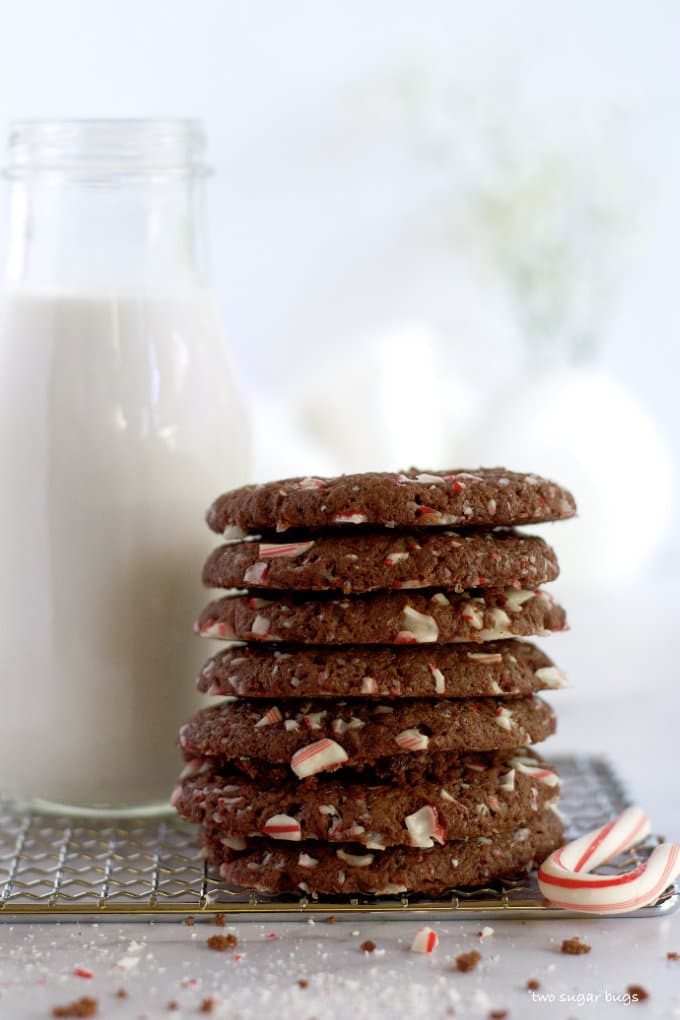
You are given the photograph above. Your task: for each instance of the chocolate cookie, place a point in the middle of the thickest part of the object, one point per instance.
(275, 867)
(488, 497)
(475, 795)
(321, 736)
(376, 561)
(383, 618)
(408, 671)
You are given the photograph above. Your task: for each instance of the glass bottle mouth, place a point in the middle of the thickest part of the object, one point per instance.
(103, 148)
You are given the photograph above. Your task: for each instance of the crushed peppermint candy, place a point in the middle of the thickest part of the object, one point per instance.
(416, 628)
(283, 550)
(273, 715)
(425, 941)
(438, 677)
(283, 827)
(317, 757)
(412, 740)
(424, 827)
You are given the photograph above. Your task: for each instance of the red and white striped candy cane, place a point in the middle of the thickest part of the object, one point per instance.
(564, 877)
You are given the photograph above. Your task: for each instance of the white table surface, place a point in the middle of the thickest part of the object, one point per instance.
(624, 703)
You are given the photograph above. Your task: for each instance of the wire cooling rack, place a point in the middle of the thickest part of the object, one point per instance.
(58, 868)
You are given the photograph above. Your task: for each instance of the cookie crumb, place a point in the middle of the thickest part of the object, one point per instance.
(575, 946)
(330, 920)
(219, 919)
(222, 942)
(207, 1005)
(637, 993)
(303, 983)
(173, 1005)
(468, 961)
(368, 946)
(533, 985)
(498, 1014)
(121, 993)
(190, 921)
(85, 1006)
(673, 956)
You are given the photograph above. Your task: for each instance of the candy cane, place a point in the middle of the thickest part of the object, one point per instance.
(564, 877)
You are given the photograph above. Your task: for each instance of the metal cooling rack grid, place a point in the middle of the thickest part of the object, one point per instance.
(54, 868)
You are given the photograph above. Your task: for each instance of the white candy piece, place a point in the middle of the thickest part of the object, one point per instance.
(255, 573)
(350, 519)
(425, 941)
(315, 719)
(309, 483)
(391, 889)
(260, 625)
(339, 726)
(273, 715)
(305, 861)
(355, 860)
(395, 557)
(551, 676)
(283, 550)
(500, 626)
(317, 757)
(193, 767)
(424, 827)
(283, 827)
(232, 533)
(529, 768)
(487, 658)
(234, 842)
(504, 718)
(438, 677)
(412, 740)
(507, 781)
(217, 629)
(473, 612)
(516, 599)
(416, 627)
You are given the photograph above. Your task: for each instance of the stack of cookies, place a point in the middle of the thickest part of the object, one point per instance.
(380, 702)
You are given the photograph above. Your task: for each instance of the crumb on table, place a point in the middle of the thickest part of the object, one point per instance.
(219, 919)
(637, 993)
(368, 946)
(468, 961)
(222, 942)
(574, 946)
(83, 1007)
(533, 985)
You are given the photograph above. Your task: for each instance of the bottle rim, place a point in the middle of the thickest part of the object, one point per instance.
(102, 147)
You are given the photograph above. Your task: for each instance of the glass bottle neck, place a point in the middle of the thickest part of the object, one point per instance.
(74, 236)
(107, 206)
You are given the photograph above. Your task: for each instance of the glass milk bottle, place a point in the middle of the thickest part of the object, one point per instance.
(119, 423)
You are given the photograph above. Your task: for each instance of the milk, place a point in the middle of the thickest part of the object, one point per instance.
(119, 423)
